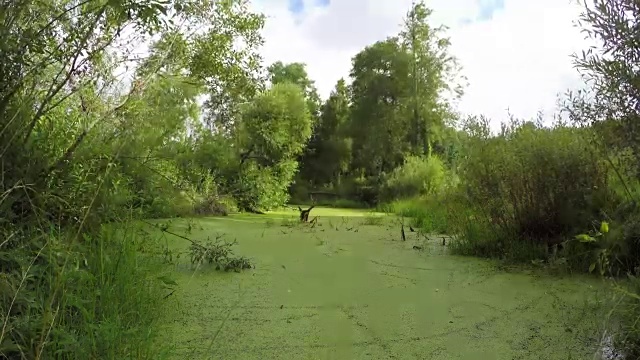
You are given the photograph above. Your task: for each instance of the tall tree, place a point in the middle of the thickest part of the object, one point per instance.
(331, 153)
(231, 73)
(379, 91)
(296, 73)
(434, 76)
(275, 129)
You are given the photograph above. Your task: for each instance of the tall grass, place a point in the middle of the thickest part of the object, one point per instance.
(427, 214)
(98, 297)
(420, 190)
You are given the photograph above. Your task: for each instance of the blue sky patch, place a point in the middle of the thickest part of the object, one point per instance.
(296, 6)
(488, 7)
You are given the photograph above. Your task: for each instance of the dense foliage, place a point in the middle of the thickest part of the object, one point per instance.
(194, 127)
(85, 148)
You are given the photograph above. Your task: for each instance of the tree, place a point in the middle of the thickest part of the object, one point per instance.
(329, 153)
(433, 76)
(611, 100)
(78, 149)
(379, 91)
(230, 71)
(296, 73)
(335, 111)
(275, 128)
(396, 105)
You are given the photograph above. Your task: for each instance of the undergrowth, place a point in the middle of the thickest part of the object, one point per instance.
(97, 297)
(218, 253)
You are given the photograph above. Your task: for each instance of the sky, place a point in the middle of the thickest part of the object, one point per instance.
(515, 53)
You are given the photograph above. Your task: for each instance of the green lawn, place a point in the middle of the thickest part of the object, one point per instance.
(345, 290)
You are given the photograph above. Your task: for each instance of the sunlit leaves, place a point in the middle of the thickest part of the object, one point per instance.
(434, 77)
(94, 144)
(278, 122)
(276, 126)
(611, 71)
(149, 16)
(585, 238)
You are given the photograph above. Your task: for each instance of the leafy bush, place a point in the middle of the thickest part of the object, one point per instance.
(622, 242)
(264, 187)
(169, 204)
(533, 184)
(214, 205)
(417, 176)
(424, 213)
(79, 150)
(275, 127)
(610, 106)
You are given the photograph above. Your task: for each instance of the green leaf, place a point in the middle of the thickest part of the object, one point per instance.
(604, 227)
(585, 238)
(592, 267)
(167, 280)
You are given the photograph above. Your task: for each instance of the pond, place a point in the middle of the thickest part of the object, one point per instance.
(349, 288)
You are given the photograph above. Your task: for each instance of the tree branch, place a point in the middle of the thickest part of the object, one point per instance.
(54, 90)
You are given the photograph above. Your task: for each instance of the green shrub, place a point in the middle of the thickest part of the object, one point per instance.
(170, 204)
(622, 243)
(264, 187)
(419, 210)
(438, 214)
(417, 176)
(214, 205)
(534, 184)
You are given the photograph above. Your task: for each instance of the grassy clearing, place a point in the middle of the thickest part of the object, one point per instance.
(348, 290)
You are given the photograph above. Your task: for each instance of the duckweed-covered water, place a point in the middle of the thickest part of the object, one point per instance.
(346, 289)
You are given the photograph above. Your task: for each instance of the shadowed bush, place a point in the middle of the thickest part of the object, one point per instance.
(532, 186)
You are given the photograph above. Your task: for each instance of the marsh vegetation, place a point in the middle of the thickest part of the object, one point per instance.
(150, 215)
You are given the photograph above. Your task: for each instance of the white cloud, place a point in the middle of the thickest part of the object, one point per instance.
(519, 59)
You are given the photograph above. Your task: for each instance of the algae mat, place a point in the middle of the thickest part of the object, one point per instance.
(346, 289)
